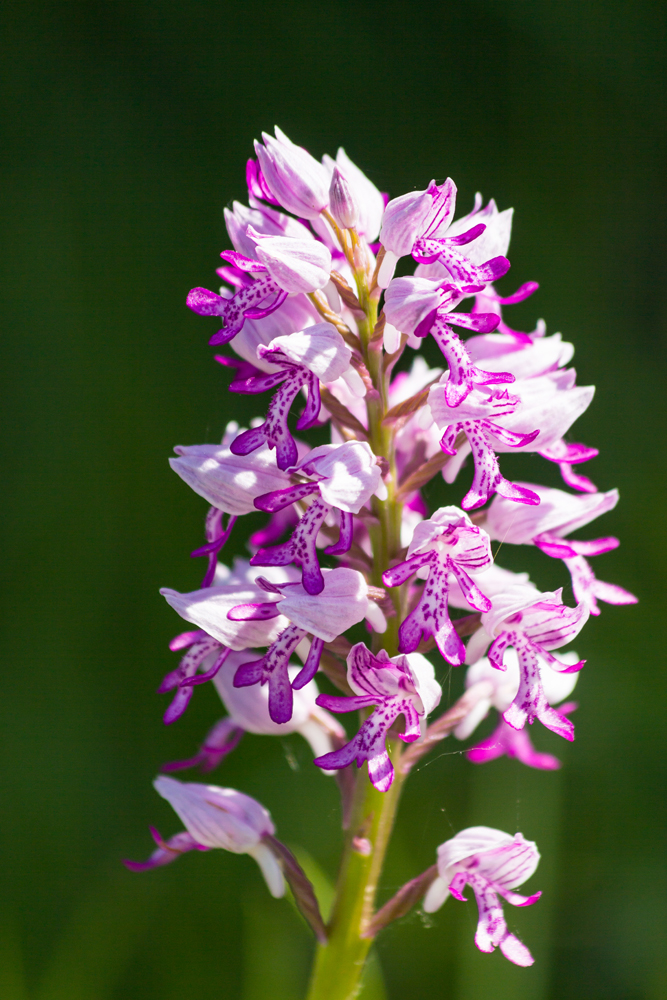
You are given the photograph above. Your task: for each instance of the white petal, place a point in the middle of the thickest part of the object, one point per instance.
(436, 895)
(375, 617)
(270, 869)
(392, 338)
(354, 382)
(387, 269)
(468, 725)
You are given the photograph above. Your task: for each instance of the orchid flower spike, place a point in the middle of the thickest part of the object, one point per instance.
(493, 863)
(216, 817)
(398, 685)
(316, 318)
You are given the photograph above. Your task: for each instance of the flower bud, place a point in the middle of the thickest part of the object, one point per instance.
(342, 203)
(294, 177)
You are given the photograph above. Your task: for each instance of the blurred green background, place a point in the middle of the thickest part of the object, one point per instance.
(126, 130)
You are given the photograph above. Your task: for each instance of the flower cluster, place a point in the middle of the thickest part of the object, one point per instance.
(320, 325)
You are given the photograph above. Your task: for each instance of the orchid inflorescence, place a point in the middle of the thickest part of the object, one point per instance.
(315, 315)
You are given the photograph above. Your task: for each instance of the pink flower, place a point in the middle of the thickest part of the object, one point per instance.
(399, 685)
(493, 863)
(478, 417)
(300, 360)
(342, 603)
(533, 623)
(546, 526)
(451, 546)
(217, 817)
(343, 477)
(419, 223)
(556, 685)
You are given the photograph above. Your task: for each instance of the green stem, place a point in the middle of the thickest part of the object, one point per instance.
(339, 964)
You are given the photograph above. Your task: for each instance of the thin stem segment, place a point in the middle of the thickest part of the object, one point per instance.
(339, 964)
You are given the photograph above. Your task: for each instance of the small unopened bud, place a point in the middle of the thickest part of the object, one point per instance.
(342, 203)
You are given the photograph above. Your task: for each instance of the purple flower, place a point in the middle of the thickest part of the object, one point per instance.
(533, 623)
(342, 603)
(296, 180)
(253, 300)
(284, 265)
(493, 863)
(504, 686)
(300, 360)
(419, 223)
(546, 526)
(218, 817)
(345, 476)
(477, 416)
(418, 306)
(399, 685)
(447, 545)
(296, 313)
(542, 410)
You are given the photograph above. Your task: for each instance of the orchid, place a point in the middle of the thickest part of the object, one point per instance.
(533, 623)
(449, 545)
(420, 223)
(302, 360)
(503, 689)
(494, 864)
(344, 477)
(217, 817)
(547, 526)
(399, 685)
(314, 315)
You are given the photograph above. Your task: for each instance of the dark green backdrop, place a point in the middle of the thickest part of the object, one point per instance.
(127, 126)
